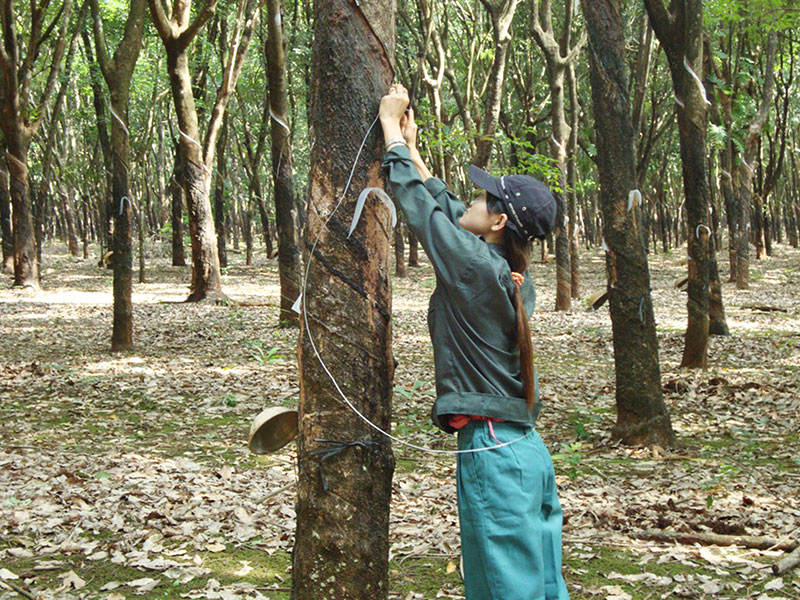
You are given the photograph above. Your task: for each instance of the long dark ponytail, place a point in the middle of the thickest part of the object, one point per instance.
(518, 257)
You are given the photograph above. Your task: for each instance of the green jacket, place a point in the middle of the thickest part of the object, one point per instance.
(471, 316)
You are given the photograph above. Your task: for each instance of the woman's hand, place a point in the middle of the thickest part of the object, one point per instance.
(409, 128)
(393, 104)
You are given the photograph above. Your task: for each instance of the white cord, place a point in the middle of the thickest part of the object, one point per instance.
(302, 299)
(699, 82)
(280, 121)
(121, 122)
(632, 196)
(698, 228)
(20, 163)
(557, 143)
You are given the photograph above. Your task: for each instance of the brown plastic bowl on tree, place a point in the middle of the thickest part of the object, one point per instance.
(272, 429)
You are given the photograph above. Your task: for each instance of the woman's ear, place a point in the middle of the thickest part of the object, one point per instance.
(501, 221)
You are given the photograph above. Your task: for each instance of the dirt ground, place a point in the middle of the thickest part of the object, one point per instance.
(127, 475)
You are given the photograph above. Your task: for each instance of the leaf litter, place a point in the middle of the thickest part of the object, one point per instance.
(140, 459)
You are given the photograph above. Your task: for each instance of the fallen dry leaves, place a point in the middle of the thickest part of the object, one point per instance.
(139, 460)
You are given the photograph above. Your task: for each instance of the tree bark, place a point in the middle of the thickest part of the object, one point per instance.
(118, 72)
(106, 239)
(288, 211)
(176, 188)
(72, 238)
(746, 169)
(399, 248)
(342, 543)
(196, 178)
(235, 218)
(177, 31)
(85, 228)
(642, 417)
(247, 232)
(643, 62)
(20, 119)
(219, 194)
(792, 206)
(558, 56)
(266, 230)
(413, 249)
(26, 264)
(572, 182)
(5, 222)
(501, 14)
(680, 31)
(140, 227)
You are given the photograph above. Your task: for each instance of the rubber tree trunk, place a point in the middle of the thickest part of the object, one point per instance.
(266, 230)
(769, 230)
(717, 323)
(141, 225)
(26, 265)
(572, 181)
(101, 115)
(118, 72)
(235, 218)
(793, 215)
(72, 238)
(501, 15)
(558, 55)
(247, 232)
(40, 208)
(747, 167)
(219, 193)
(86, 225)
(760, 226)
(727, 186)
(206, 277)
(342, 543)
(413, 249)
(691, 129)
(743, 208)
(122, 334)
(287, 208)
(681, 35)
(5, 222)
(177, 31)
(20, 119)
(642, 417)
(399, 248)
(176, 188)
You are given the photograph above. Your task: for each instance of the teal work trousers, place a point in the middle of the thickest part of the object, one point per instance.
(509, 515)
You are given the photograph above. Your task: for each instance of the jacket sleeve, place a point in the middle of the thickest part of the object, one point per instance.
(449, 203)
(528, 294)
(450, 248)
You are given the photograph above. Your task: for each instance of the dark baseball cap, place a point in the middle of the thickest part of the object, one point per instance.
(529, 204)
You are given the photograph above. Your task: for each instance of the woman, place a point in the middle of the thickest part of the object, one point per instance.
(486, 388)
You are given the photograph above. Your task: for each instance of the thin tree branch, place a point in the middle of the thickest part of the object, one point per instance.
(100, 42)
(242, 35)
(160, 20)
(58, 52)
(661, 20)
(200, 20)
(573, 54)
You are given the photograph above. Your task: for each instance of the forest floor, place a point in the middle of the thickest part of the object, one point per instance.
(128, 475)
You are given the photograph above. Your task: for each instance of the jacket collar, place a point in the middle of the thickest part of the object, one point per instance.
(498, 248)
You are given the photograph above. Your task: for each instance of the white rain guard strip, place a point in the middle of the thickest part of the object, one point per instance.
(362, 198)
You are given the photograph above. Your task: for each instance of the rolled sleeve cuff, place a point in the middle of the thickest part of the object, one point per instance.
(435, 186)
(398, 152)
